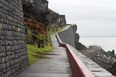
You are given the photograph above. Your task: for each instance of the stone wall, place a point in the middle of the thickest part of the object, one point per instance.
(13, 51)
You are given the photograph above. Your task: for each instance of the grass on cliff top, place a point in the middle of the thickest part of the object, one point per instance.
(55, 31)
(35, 53)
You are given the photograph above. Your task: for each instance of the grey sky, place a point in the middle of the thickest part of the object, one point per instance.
(93, 17)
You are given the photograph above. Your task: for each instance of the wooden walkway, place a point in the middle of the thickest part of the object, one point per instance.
(57, 65)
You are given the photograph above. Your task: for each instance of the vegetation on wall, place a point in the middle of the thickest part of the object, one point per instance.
(36, 27)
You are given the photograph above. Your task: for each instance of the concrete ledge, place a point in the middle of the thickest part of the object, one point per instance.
(77, 67)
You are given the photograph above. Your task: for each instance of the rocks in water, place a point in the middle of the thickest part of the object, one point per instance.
(79, 46)
(105, 59)
(111, 53)
(113, 69)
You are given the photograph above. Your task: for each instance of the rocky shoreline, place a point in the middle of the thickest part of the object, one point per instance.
(105, 59)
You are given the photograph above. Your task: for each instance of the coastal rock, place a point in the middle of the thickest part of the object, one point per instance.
(105, 59)
(113, 69)
(111, 53)
(77, 37)
(78, 45)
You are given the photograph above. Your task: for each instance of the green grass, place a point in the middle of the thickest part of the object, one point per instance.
(31, 58)
(51, 32)
(58, 30)
(35, 53)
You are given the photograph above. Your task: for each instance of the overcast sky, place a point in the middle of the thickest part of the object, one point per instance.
(93, 17)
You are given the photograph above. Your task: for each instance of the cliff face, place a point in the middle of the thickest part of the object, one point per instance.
(38, 10)
(55, 20)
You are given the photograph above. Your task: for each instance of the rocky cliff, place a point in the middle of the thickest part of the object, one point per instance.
(38, 10)
(55, 20)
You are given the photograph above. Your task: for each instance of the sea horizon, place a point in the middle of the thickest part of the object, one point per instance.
(97, 36)
(107, 43)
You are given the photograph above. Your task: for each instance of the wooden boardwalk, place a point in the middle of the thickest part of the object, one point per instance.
(57, 65)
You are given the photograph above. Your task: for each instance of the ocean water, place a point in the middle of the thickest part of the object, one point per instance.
(107, 43)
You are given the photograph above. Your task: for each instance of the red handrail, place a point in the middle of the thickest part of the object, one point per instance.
(77, 67)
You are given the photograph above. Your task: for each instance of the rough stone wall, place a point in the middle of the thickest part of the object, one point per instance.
(69, 35)
(13, 51)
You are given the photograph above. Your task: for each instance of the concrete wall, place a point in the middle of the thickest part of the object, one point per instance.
(68, 35)
(13, 51)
